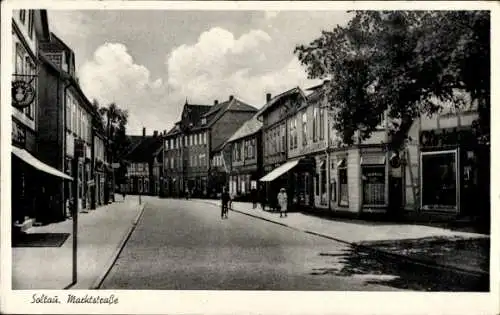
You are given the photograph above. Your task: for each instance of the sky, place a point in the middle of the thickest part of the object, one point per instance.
(150, 61)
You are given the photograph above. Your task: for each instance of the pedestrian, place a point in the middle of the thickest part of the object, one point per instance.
(283, 202)
(124, 194)
(253, 196)
(225, 199)
(187, 193)
(262, 198)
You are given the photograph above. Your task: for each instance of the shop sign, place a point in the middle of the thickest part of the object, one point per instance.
(18, 134)
(23, 93)
(448, 136)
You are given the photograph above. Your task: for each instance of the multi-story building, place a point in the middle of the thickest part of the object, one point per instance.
(278, 133)
(140, 161)
(445, 169)
(100, 167)
(308, 125)
(246, 158)
(66, 117)
(34, 195)
(191, 143)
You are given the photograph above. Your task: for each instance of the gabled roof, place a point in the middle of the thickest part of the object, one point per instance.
(217, 111)
(279, 97)
(144, 150)
(250, 127)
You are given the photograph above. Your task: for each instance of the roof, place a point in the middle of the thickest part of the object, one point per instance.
(144, 149)
(233, 104)
(277, 98)
(250, 127)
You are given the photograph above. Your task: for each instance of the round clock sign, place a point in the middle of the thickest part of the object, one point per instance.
(23, 94)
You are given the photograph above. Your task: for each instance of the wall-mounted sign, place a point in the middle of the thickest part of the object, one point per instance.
(18, 134)
(23, 93)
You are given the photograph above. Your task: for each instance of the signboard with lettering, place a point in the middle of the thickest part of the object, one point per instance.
(18, 134)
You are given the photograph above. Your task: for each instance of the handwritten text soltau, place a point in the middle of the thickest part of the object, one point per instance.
(74, 299)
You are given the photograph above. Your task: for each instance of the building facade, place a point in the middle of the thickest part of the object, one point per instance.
(246, 159)
(193, 141)
(66, 121)
(279, 131)
(140, 164)
(33, 195)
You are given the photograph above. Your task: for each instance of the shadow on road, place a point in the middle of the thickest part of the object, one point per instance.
(374, 269)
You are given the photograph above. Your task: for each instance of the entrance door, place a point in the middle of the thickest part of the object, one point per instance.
(395, 195)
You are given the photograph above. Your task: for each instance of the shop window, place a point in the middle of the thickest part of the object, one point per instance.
(439, 180)
(373, 184)
(343, 185)
(373, 179)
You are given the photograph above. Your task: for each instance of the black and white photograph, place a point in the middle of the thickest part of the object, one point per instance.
(247, 148)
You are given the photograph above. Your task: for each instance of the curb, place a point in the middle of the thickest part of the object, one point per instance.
(98, 282)
(385, 254)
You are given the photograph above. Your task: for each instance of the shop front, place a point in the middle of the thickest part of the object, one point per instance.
(449, 164)
(296, 177)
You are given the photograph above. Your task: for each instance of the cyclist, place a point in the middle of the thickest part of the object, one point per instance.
(225, 198)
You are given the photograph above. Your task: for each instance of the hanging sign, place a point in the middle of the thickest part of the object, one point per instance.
(23, 93)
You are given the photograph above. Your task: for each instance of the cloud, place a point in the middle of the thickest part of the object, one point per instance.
(216, 66)
(219, 64)
(113, 76)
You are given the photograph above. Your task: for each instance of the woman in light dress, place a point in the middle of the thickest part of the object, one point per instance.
(283, 202)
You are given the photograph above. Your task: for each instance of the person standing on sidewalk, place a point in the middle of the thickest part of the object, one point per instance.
(283, 202)
(262, 198)
(253, 196)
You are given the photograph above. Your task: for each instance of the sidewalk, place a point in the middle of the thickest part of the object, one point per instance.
(101, 233)
(461, 251)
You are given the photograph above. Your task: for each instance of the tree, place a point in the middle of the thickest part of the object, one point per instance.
(114, 121)
(405, 63)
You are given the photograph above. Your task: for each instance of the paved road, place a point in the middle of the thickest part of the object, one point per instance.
(184, 245)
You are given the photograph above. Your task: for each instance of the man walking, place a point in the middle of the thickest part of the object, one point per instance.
(253, 196)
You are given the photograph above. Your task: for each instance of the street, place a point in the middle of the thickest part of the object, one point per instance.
(184, 245)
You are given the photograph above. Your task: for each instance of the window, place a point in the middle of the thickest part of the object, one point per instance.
(250, 148)
(203, 121)
(295, 142)
(140, 184)
(146, 185)
(439, 180)
(304, 128)
(315, 124)
(22, 16)
(343, 185)
(205, 138)
(19, 59)
(373, 180)
(321, 124)
(283, 133)
(31, 23)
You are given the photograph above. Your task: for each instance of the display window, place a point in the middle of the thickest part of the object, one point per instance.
(439, 180)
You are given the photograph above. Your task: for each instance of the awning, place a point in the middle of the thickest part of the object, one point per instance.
(373, 160)
(280, 170)
(36, 163)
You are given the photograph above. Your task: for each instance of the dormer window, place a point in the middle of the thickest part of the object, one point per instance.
(203, 121)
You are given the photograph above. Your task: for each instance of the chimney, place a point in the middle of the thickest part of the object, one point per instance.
(216, 102)
(143, 131)
(165, 132)
(268, 97)
(231, 97)
(155, 133)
